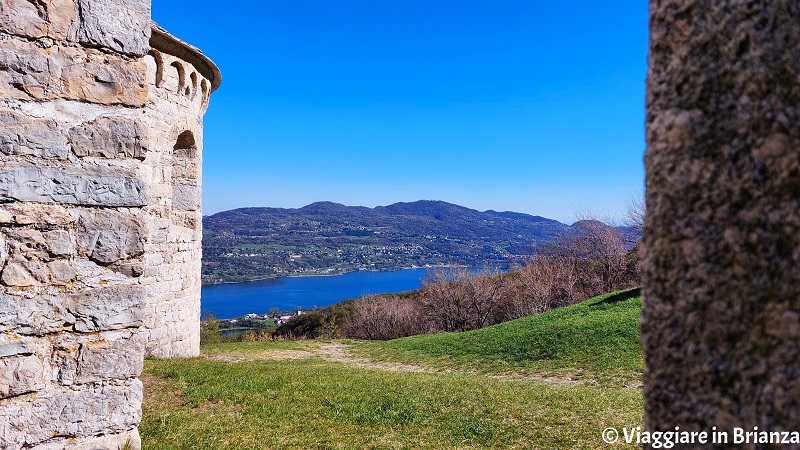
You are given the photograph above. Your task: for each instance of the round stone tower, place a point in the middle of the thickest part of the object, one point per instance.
(180, 79)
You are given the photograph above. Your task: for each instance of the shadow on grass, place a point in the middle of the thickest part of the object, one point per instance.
(619, 297)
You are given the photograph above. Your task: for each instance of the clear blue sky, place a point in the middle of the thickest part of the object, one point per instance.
(529, 106)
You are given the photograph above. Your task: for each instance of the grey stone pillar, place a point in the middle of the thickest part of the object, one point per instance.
(721, 266)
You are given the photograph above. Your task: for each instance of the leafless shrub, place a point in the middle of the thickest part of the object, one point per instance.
(457, 299)
(444, 299)
(635, 213)
(599, 251)
(544, 283)
(485, 293)
(384, 318)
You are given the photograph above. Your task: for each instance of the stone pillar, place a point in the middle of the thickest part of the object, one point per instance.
(721, 263)
(73, 230)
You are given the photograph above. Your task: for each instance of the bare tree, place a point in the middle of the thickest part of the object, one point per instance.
(600, 248)
(444, 298)
(484, 293)
(635, 220)
(545, 282)
(459, 299)
(635, 213)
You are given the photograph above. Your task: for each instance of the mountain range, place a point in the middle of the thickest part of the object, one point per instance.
(329, 238)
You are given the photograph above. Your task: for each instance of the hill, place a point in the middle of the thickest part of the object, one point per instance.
(330, 238)
(596, 339)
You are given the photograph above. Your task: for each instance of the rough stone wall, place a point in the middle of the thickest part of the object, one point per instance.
(99, 219)
(721, 318)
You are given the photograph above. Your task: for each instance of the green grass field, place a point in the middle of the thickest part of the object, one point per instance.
(552, 381)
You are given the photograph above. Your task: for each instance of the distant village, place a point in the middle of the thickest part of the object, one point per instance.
(253, 321)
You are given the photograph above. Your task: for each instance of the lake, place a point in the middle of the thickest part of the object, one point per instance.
(227, 301)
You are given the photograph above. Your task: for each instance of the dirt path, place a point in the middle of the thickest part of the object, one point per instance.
(333, 351)
(265, 355)
(340, 353)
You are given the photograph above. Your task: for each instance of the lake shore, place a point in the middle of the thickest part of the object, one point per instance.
(315, 274)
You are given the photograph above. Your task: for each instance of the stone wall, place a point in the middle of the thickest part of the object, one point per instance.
(721, 318)
(99, 216)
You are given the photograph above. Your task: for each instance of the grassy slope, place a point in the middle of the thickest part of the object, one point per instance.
(596, 339)
(263, 403)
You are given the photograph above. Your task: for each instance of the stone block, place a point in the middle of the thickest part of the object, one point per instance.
(29, 72)
(94, 309)
(24, 238)
(85, 411)
(133, 267)
(21, 374)
(120, 25)
(16, 273)
(64, 358)
(186, 197)
(119, 137)
(37, 314)
(42, 18)
(34, 214)
(129, 440)
(37, 268)
(93, 186)
(117, 356)
(186, 218)
(59, 243)
(81, 359)
(91, 274)
(61, 272)
(21, 135)
(108, 308)
(187, 165)
(107, 236)
(13, 344)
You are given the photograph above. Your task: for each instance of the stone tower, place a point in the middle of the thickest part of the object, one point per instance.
(100, 223)
(721, 317)
(180, 80)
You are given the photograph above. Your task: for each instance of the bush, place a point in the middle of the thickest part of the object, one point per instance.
(324, 323)
(384, 317)
(209, 329)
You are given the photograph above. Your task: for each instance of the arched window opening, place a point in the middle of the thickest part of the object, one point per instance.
(159, 60)
(181, 76)
(193, 78)
(185, 173)
(204, 90)
(185, 141)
